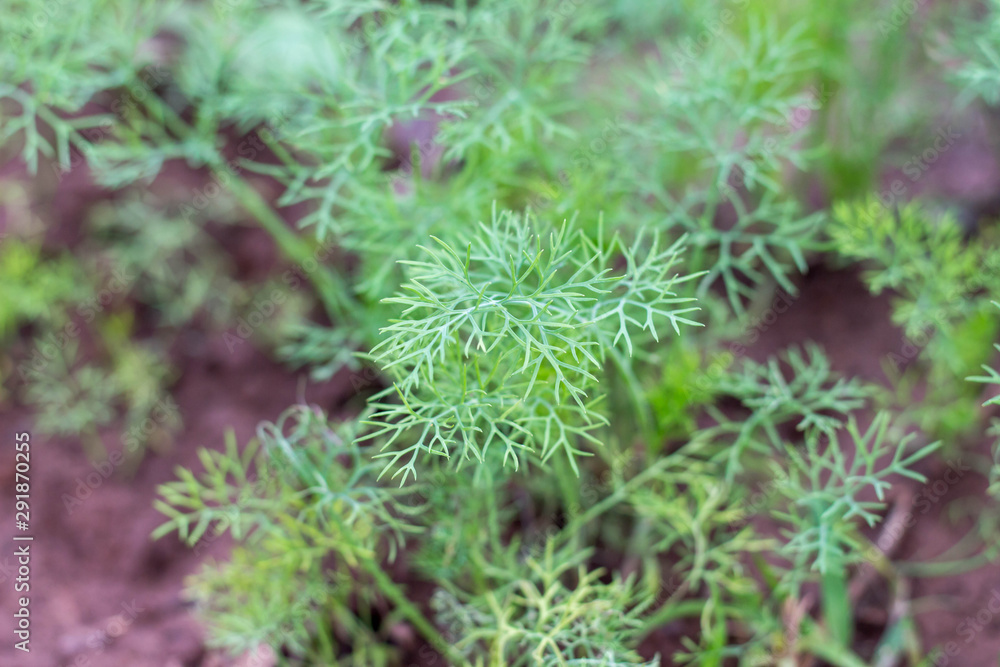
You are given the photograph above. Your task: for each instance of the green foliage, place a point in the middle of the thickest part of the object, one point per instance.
(671, 398)
(31, 288)
(501, 346)
(517, 379)
(796, 385)
(991, 377)
(175, 265)
(943, 284)
(71, 398)
(726, 163)
(75, 397)
(799, 383)
(72, 395)
(765, 244)
(303, 498)
(333, 497)
(825, 489)
(926, 260)
(976, 45)
(67, 56)
(693, 99)
(531, 597)
(686, 510)
(556, 614)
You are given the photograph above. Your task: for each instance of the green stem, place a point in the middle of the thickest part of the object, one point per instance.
(569, 488)
(577, 523)
(947, 568)
(332, 290)
(670, 612)
(411, 613)
(815, 641)
(955, 560)
(837, 612)
(391, 590)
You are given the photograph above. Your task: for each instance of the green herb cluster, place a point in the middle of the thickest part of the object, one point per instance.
(608, 193)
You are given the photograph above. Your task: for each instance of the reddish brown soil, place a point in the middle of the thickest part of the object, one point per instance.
(102, 592)
(89, 563)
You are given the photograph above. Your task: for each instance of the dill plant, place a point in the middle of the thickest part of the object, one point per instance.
(500, 346)
(527, 292)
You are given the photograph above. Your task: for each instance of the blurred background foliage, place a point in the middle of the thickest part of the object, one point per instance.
(768, 134)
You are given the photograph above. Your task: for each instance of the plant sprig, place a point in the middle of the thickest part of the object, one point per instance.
(505, 341)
